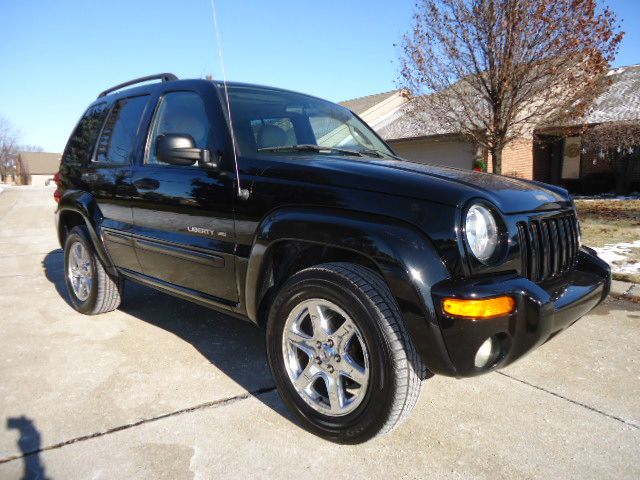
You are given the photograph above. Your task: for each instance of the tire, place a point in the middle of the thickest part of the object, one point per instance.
(379, 351)
(103, 292)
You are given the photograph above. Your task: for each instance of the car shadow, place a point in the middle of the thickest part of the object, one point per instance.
(53, 267)
(233, 346)
(30, 444)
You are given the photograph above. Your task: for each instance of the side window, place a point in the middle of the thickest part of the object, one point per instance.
(273, 132)
(180, 113)
(119, 133)
(82, 140)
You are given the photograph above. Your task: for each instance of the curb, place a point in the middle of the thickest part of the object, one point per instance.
(626, 277)
(625, 290)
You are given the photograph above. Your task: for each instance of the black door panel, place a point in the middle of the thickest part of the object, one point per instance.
(186, 230)
(146, 184)
(111, 187)
(186, 267)
(120, 248)
(183, 215)
(195, 256)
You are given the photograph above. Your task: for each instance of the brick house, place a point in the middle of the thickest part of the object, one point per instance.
(563, 156)
(552, 155)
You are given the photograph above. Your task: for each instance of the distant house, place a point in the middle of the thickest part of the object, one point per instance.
(35, 168)
(553, 155)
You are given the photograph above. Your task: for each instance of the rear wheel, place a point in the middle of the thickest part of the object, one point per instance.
(340, 353)
(91, 289)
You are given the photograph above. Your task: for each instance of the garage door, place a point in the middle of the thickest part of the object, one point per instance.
(450, 153)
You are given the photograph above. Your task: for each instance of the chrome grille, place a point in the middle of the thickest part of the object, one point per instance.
(548, 246)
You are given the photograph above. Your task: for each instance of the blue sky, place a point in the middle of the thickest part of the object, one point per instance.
(56, 56)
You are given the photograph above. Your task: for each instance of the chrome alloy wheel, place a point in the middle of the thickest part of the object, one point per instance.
(326, 357)
(79, 271)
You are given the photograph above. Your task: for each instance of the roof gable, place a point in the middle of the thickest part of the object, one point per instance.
(362, 104)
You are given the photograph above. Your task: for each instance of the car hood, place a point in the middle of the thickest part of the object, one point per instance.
(450, 186)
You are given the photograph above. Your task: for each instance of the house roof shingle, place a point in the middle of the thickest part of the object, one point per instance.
(619, 102)
(408, 123)
(41, 163)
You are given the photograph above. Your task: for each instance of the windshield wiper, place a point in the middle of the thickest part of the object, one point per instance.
(371, 152)
(308, 147)
(378, 153)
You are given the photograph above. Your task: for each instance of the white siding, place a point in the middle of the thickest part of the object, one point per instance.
(40, 180)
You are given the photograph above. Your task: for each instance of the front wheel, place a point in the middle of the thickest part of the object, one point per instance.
(340, 353)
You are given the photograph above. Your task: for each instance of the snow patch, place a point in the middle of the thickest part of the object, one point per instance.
(615, 254)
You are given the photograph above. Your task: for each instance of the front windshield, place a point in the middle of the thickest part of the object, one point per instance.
(267, 120)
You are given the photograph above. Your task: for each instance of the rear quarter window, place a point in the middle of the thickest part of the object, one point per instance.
(80, 145)
(120, 131)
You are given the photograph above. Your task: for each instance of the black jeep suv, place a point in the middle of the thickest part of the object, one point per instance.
(367, 272)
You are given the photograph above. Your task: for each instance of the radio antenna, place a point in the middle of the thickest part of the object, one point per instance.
(243, 194)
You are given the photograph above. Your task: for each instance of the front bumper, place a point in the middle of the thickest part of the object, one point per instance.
(541, 312)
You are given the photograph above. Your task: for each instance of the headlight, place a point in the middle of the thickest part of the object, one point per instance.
(481, 232)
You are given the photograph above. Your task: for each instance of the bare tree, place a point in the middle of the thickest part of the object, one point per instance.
(618, 144)
(494, 69)
(8, 148)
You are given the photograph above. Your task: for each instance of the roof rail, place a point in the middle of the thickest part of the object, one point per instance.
(165, 77)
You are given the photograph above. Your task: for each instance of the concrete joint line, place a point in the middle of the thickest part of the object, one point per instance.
(575, 402)
(31, 254)
(20, 275)
(202, 406)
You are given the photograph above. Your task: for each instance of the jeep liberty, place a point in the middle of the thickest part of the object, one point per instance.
(368, 273)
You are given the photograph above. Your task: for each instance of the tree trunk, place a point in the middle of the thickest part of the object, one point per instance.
(496, 157)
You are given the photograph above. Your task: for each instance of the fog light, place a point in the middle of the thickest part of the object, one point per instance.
(487, 353)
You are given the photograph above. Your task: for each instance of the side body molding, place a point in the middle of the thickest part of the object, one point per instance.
(404, 255)
(85, 204)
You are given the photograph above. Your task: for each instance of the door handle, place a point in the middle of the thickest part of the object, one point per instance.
(89, 176)
(147, 184)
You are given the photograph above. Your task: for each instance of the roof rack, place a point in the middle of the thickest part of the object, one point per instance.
(165, 77)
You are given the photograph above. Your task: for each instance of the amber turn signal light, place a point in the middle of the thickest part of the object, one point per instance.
(485, 308)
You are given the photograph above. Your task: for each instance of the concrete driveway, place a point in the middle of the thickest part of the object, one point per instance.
(165, 389)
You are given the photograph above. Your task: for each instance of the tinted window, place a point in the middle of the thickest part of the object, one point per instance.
(83, 138)
(180, 113)
(118, 136)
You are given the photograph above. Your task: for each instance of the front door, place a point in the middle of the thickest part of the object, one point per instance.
(183, 217)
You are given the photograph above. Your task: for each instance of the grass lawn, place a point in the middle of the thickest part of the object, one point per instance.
(608, 221)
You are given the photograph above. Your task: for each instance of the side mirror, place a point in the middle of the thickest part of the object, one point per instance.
(178, 149)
